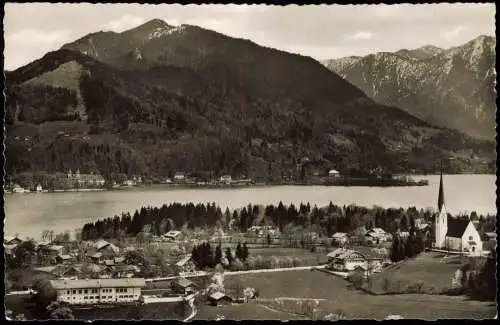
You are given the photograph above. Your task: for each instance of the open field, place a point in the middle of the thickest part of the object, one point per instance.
(248, 311)
(306, 257)
(356, 304)
(434, 270)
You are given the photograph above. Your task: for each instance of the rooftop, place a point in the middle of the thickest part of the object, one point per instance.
(456, 227)
(98, 283)
(183, 282)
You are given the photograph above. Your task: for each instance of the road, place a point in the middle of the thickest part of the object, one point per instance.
(298, 268)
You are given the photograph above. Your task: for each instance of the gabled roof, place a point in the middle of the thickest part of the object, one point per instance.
(55, 247)
(456, 227)
(339, 235)
(100, 244)
(183, 261)
(183, 282)
(217, 295)
(172, 233)
(97, 283)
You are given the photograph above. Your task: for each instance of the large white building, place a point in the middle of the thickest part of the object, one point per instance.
(98, 291)
(455, 234)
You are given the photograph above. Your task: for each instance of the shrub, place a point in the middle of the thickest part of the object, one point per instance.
(237, 265)
(274, 262)
(415, 287)
(296, 261)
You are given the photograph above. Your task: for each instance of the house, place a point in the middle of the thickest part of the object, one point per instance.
(108, 250)
(39, 188)
(218, 298)
(263, 231)
(85, 179)
(343, 259)
(172, 235)
(455, 234)
(361, 270)
(376, 236)
(333, 173)
(489, 241)
(18, 189)
(226, 179)
(96, 257)
(186, 264)
(9, 240)
(98, 291)
(49, 254)
(340, 238)
(183, 286)
(179, 177)
(129, 182)
(124, 271)
(65, 259)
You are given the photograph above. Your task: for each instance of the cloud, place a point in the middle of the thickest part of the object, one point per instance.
(125, 22)
(452, 34)
(361, 36)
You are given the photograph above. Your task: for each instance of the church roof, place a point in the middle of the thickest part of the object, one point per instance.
(456, 227)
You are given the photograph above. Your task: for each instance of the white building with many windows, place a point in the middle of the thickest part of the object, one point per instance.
(98, 291)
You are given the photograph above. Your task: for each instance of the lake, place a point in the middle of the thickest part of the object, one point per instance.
(30, 213)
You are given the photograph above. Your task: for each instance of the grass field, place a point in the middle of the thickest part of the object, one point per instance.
(246, 311)
(431, 268)
(356, 304)
(306, 257)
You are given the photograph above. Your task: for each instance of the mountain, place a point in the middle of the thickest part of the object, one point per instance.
(452, 88)
(158, 98)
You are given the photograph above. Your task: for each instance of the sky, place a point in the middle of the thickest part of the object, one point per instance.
(320, 31)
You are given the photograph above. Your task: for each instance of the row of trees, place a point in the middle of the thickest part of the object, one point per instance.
(325, 221)
(204, 256)
(408, 247)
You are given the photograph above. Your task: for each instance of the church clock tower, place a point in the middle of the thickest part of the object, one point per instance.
(441, 222)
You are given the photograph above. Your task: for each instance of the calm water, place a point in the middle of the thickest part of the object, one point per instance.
(30, 213)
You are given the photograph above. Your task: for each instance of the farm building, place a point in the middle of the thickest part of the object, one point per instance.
(218, 298)
(183, 286)
(340, 238)
(345, 259)
(333, 173)
(186, 264)
(376, 236)
(172, 235)
(97, 291)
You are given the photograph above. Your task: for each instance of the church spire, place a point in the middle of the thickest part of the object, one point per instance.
(441, 193)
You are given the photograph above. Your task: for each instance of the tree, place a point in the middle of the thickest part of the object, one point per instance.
(218, 254)
(244, 251)
(57, 310)
(237, 265)
(45, 293)
(239, 252)
(268, 240)
(229, 255)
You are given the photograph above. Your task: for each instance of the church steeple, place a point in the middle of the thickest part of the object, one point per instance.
(441, 193)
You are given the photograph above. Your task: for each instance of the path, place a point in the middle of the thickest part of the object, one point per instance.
(194, 311)
(25, 292)
(298, 268)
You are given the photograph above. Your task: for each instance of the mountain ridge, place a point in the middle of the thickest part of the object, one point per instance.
(212, 103)
(459, 81)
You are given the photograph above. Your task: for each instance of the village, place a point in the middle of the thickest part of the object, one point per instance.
(181, 266)
(94, 181)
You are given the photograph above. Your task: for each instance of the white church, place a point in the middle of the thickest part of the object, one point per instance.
(455, 234)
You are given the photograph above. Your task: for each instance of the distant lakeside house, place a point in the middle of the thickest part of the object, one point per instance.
(82, 180)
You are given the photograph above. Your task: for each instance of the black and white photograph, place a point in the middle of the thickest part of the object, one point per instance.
(249, 161)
